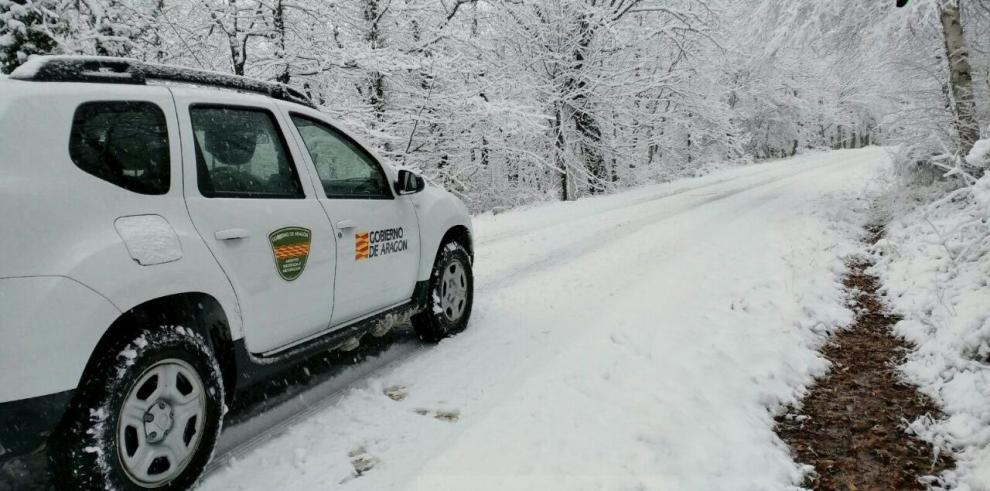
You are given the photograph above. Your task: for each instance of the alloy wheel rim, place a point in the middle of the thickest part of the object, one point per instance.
(454, 291)
(161, 422)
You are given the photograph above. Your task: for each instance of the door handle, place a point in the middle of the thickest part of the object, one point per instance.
(232, 233)
(346, 224)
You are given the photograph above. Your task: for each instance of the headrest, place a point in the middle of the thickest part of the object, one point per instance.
(139, 145)
(231, 144)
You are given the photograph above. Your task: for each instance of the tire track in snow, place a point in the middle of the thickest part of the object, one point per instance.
(252, 431)
(553, 350)
(590, 240)
(625, 205)
(242, 438)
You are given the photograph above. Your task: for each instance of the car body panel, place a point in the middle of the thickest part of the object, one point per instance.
(65, 217)
(67, 313)
(69, 273)
(379, 252)
(445, 212)
(275, 311)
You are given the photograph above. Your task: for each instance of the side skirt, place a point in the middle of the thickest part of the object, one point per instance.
(253, 368)
(25, 424)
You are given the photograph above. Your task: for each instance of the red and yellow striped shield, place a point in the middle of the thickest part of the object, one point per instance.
(361, 245)
(290, 245)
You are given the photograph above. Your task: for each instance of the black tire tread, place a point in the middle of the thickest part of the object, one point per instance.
(82, 451)
(433, 327)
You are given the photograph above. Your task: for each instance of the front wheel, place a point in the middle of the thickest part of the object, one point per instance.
(148, 417)
(450, 297)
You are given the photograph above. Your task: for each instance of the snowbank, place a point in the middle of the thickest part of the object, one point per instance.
(935, 265)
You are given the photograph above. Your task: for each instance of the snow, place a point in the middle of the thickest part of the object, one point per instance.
(29, 69)
(149, 239)
(936, 268)
(979, 155)
(637, 341)
(981, 194)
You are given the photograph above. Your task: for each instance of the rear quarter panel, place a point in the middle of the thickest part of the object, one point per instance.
(59, 221)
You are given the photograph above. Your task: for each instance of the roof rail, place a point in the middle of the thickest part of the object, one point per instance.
(101, 69)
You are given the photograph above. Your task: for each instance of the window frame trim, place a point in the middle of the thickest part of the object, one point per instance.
(361, 151)
(285, 146)
(168, 143)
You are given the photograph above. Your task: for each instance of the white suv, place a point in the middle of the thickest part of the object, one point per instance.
(170, 236)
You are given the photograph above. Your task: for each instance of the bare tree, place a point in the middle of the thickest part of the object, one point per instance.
(960, 76)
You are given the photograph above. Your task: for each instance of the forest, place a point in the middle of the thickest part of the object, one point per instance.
(509, 102)
(721, 244)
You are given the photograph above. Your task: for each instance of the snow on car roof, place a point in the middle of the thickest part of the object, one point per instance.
(105, 69)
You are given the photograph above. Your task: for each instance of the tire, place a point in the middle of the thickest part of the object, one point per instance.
(450, 296)
(126, 430)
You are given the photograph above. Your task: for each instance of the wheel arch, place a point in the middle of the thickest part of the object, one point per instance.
(461, 235)
(193, 310)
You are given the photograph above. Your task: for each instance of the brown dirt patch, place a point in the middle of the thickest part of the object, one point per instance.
(851, 426)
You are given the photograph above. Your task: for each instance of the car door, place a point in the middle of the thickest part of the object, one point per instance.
(377, 231)
(251, 199)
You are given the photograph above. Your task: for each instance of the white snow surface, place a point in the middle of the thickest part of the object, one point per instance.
(935, 267)
(979, 155)
(149, 239)
(643, 340)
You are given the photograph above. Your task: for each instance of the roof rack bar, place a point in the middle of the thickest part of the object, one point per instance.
(98, 69)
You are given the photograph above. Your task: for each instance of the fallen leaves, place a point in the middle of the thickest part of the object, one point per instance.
(851, 426)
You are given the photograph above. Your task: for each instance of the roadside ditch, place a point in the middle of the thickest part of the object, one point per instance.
(852, 425)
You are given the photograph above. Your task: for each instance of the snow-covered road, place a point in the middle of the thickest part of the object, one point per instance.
(634, 341)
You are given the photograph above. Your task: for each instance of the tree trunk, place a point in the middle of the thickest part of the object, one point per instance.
(960, 76)
(484, 152)
(688, 139)
(157, 40)
(238, 56)
(559, 146)
(587, 127)
(374, 37)
(278, 19)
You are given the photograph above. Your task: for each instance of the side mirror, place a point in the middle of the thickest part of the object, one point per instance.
(409, 183)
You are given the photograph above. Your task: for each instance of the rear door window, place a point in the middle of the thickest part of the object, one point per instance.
(241, 153)
(124, 143)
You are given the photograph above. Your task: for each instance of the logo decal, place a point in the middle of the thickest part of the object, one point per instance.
(369, 245)
(361, 246)
(290, 245)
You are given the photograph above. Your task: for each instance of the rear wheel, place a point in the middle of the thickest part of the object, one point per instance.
(148, 416)
(451, 294)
